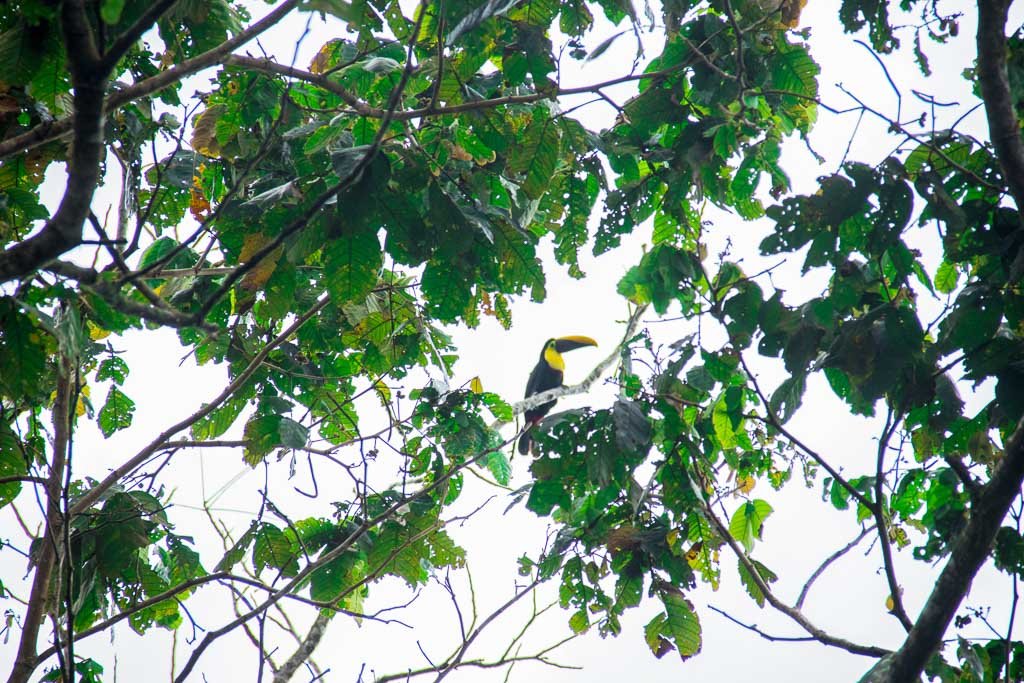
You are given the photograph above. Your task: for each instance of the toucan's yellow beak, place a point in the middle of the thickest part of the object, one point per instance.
(563, 344)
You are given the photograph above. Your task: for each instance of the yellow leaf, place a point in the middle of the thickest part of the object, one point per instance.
(745, 484)
(96, 332)
(476, 386)
(693, 554)
(198, 205)
(898, 535)
(324, 56)
(258, 276)
(204, 136)
(83, 400)
(890, 603)
(672, 538)
(383, 393)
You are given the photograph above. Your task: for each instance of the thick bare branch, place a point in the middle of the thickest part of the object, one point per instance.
(305, 649)
(1004, 128)
(64, 230)
(26, 660)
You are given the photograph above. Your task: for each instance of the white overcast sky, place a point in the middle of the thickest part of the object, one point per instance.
(848, 601)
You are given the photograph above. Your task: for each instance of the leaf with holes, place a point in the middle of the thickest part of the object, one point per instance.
(116, 414)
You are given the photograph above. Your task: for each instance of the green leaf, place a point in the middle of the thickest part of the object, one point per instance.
(747, 579)
(20, 56)
(24, 347)
(722, 423)
(579, 622)
(12, 464)
(681, 623)
(293, 434)
(116, 414)
(947, 276)
(110, 11)
(498, 407)
(632, 428)
(536, 156)
(747, 522)
(352, 263)
(328, 582)
(112, 368)
(236, 552)
(219, 420)
(261, 437)
(973, 321)
(786, 400)
(666, 227)
(794, 71)
(545, 495)
(660, 646)
(272, 549)
(838, 494)
(157, 251)
(500, 467)
(347, 160)
(448, 291)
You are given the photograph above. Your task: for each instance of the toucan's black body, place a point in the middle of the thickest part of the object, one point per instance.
(547, 374)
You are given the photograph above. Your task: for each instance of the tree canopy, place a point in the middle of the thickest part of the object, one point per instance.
(319, 231)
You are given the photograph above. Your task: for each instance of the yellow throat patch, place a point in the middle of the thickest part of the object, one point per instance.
(553, 358)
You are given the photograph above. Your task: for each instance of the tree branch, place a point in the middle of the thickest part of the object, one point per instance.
(305, 649)
(163, 314)
(336, 551)
(26, 660)
(133, 33)
(799, 604)
(1004, 128)
(64, 230)
(796, 615)
(55, 129)
(763, 634)
(882, 524)
(773, 420)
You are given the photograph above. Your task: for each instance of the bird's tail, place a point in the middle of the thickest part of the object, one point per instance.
(524, 442)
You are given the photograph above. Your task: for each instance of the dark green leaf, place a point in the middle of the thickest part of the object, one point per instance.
(116, 413)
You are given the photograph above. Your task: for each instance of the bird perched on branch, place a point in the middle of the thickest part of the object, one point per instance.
(547, 374)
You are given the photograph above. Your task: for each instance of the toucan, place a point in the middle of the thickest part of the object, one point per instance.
(547, 374)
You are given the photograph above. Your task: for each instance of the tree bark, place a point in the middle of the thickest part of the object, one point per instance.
(26, 660)
(1004, 128)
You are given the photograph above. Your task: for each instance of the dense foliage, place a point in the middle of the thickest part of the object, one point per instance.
(313, 230)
